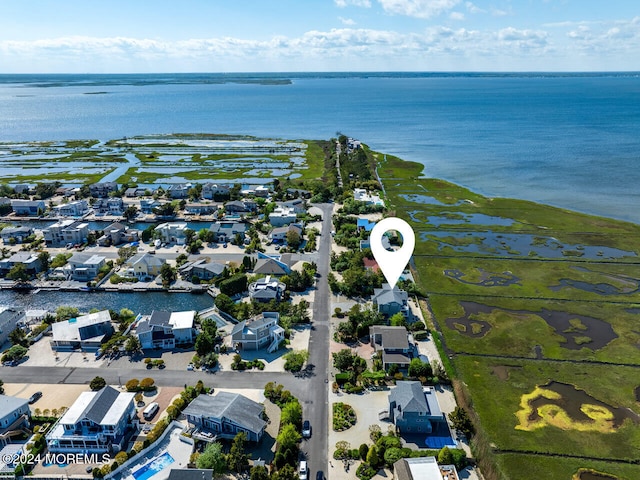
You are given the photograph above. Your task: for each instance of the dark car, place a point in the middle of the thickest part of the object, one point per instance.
(35, 397)
(320, 475)
(306, 429)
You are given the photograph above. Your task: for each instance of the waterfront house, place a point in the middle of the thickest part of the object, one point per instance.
(84, 267)
(15, 415)
(30, 260)
(201, 268)
(179, 190)
(172, 232)
(166, 330)
(390, 301)
(226, 231)
(144, 266)
(266, 289)
(74, 209)
(86, 332)
(10, 319)
(279, 234)
(238, 206)
(298, 192)
(148, 204)
(414, 409)
(109, 206)
(215, 191)
(226, 414)
(282, 216)
(423, 468)
(11, 235)
(271, 265)
(363, 195)
(65, 232)
(28, 208)
(393, 343)
(102, 190)
(298, 205)
(97, 422)
(201, 208)
(258, 332)
(133, 192)
(116, 234)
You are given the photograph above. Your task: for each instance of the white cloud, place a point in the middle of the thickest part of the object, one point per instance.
(456, 16)
(472, 8)
(355, 3)
(346, 21)
(418, 8)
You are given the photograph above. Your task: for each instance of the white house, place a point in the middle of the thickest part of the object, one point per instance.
(266, 289)
(282, 216)
(166, 329)
(97, 422)
(15, 234)
(84, 266)
(86, 332)
(258, 332)
(64, 232)
(144, 266)
(71, 209)
(172, 232)
(363, 195)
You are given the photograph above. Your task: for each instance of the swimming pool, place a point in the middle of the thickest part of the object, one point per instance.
(153, 467)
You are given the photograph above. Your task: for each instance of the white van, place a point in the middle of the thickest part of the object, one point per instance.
(150, 411)
(303, 472)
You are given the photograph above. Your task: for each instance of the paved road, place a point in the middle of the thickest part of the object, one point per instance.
(315, 407)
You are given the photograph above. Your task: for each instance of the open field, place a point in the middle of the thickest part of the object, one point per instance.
(537, 307)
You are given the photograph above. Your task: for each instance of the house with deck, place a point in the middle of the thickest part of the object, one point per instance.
(415, 409)
(166, 330)
(28, 208)
(84, 267)
(15, 416)
(393, 345)
(11, 235)
(66, 232)
(390, 301)
(86, 332)
(261, 331)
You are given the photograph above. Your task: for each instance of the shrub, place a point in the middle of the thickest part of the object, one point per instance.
(362, 451)
(132, 385)
(365, 472)
(147, 384)
(121, 457)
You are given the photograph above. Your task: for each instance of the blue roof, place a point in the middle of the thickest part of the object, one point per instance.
(365, 223)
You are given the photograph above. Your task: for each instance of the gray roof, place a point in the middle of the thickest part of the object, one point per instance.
(147, 259)
(104, 407)
(100, 404)
(158, 317)
(12, 230)
(269, 266)
(232, 406)
(393, 338)
(255, 322)
(409, 397)
(397, 358)
(385, 295)
(229, 228)
(8, 404)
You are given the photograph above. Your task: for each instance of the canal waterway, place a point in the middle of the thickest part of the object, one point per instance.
(138, 302)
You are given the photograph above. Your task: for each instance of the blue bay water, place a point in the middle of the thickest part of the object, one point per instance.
(567, 140)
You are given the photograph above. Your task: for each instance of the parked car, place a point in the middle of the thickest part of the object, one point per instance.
(306, 429)
(190, 366)
(303, 472)
(35, 397)
(320, 475)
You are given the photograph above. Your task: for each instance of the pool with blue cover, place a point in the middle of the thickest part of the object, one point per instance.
(153, 467)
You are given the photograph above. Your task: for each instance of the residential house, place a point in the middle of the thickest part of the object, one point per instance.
(117, 233)
(298, 192)
(261, 191)
(414, 409)
(224, 232)
(133, 192)
(226, 414)
(423, 468)
(22, 188)
(10, 319)
(279, 234)
(28, 208)
(65, 232)
(109, 206)
(172, 232)
(201, 268)
(148, 204)
(298, 205)
(15, 415)
(179, 190)
(215, 191)
(75, 209)
(165, 330)
(371, 264)
(30, 260)
(12, 235)
(393, 343)
(362, 195)
(270, 265)
(266, 289)
(258, 332)
(97, 422)
(201, 208)
(84, 267)
(282, 216)
(66, 191)
(386, 243)
(390, 301)
(240, 206)
(102, 190)
(144, 266)
(86, 332)
(365, 224)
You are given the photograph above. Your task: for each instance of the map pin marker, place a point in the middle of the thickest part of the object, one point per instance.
(392, 263)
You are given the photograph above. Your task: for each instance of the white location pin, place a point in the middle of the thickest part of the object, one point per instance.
(392, 263)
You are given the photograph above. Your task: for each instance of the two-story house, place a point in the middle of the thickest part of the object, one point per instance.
(201, 268)
(226, 231)
(390, 301)
(414, 409)
(117, 233)
(12, 235)
(279, 234)
(14, 418)
(215, 191)
(30, 260)
(103, 189)
(227, 414)
(282, 216)
(258, 332)
(97, 422)
(166, 330)
(10, 319)
(84, 267)
(266, 289)
(86, 332)
(65, 232)
(144, 266)
(172, 232)
(393, 343)
(109, 206)
(28, 208)
(74, 209)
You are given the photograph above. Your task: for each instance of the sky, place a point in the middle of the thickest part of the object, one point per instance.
(148, 36)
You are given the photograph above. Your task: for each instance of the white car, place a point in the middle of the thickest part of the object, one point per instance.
(303, 471)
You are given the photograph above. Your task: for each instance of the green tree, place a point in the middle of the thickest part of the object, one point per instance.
(293, 239)
(237, 459)
(445, 457)
(288, 437)
(132, 345)
(294, 360)
(130, 212)
(287, 472)
(16, 352)
(204, 344)
(292, 413)
(418, 368)
(44, 258)
(212, 458)
(18, 273)
(97, 383)
(65, 312)
(168, 275)
(18, 337)
(372, 457)
(461, 421)
(259, 472)
(224, 303)
(397, 320)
